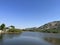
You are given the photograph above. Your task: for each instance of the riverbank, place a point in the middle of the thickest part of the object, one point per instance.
(9, 32)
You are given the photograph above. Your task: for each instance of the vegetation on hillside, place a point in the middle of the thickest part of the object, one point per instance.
(52, 27)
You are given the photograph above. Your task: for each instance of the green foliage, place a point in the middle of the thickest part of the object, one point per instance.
(13, 27)
(50, 31)
(45, 30)
(14, 30)
(2, 27)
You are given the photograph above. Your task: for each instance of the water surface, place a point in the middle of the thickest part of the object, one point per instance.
(30, 38)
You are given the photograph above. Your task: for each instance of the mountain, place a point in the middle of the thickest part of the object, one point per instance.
(50, 25)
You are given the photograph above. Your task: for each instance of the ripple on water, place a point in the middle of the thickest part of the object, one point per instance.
(25, 40)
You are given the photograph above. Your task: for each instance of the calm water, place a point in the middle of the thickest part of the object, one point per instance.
(30, 38)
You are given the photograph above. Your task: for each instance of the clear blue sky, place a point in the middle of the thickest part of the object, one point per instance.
(29, 13)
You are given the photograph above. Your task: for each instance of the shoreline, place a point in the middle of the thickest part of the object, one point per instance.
(9, 32)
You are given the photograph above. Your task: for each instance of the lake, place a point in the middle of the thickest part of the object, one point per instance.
(30, 38)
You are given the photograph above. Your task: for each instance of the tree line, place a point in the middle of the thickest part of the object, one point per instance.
(10, 28)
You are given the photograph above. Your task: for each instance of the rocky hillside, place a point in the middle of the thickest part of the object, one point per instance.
(51, 25)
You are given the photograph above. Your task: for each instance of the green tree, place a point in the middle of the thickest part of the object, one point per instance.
(12, 27)
(2, 27)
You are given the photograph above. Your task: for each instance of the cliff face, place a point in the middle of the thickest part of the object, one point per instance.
(51, 25)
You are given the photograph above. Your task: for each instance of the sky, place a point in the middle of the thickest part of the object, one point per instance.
(29, 13)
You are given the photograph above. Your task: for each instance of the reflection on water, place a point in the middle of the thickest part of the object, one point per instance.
(55, 41)
(1, 39)
(11, 36)
(30, 38)
(1, 36)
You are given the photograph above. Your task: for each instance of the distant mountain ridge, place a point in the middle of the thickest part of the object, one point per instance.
(50, 25)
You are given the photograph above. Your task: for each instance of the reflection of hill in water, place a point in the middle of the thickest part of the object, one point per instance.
(53, 40)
